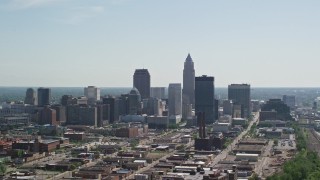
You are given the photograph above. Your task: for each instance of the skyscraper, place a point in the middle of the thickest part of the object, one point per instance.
(92, 93)
(204, 97)
(188, 92)
(175, 99)
(141, 81)
(31, 97)
(44, 96)
(158, 92)
(134, 99)
(110, 100)
(240, 95)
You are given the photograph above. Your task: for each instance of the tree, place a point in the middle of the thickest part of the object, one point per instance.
(3, 168)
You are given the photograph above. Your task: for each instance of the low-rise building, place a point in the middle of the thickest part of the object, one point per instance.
(130, 132)
(239, 121)
(221, 127)
(158, 122)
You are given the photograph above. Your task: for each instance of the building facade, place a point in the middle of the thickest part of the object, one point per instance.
(289, 101)
(44, 96)
(204, 97)
(188, 91)
(92, 93)
(141, 81)
(240, 95)
(48, 116)
(31, 97)
(158, 92)
(175, 99)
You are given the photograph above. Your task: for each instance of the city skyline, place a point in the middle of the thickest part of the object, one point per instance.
(52, 43)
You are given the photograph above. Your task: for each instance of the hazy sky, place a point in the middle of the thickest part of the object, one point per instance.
(267, 43)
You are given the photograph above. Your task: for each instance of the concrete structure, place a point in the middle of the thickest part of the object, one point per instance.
(272, 123)
(67, 100)
(48, 116)
(273, 133)
(174, 119)
(158, 122)
(110, 100)
(60, 112)
(130, 132)
(133, 118)
(158, 92)
(225, 119)
(44, 96)
(15, 120)
(75, 136)
(239, 121)
(204, 97)
(227, 107)
(247, 157)
(289, 101)
(188, 82)
(134, 102)
(248, 149)
(153, 107)
(221, 127)
(141, 81)
(31, 97)
(82, 100)
(81, 115)
(175, 99)
(237, 111)
(267, 115)
(240, 94)
(92, 93)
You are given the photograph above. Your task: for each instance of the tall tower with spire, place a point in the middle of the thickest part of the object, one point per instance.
(188, 86)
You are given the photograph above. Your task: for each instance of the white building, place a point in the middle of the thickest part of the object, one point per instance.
(92, 93)
(175, 99)
(247, 157)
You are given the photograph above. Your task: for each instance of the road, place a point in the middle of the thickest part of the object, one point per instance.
(265, 160)
(226, 151)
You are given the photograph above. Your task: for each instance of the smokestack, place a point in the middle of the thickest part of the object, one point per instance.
(203, 125)
(199, 119)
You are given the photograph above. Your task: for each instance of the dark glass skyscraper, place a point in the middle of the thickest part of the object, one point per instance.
(240, 95)
(204, 97)
(141, 81)
(188, 81)
(44, 96)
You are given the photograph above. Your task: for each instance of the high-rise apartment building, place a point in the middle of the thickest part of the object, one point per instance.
(92, 93)
(175, 99)
(240, 95)
(188, 91)
(31, 97)
(204, 97)
(44, 96)
(141, 81)
(158, 92)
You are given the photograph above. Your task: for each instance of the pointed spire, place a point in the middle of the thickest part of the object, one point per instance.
(189, 58)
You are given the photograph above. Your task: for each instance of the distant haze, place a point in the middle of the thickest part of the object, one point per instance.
(76, 43)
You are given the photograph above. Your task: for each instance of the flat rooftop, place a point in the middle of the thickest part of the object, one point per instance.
(243, 147)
